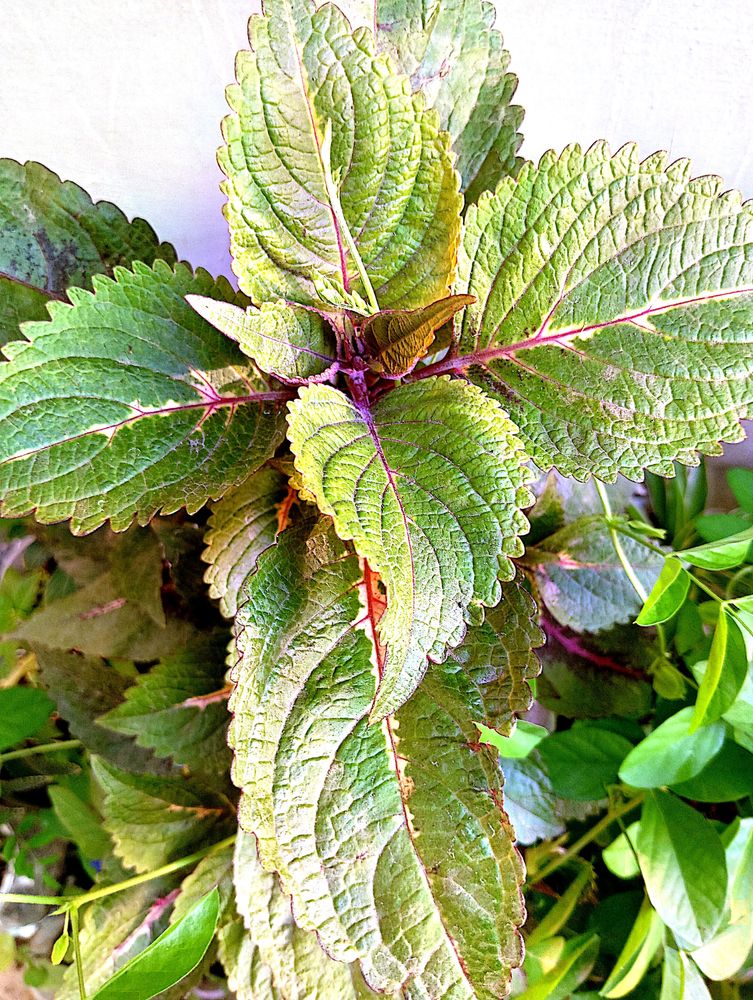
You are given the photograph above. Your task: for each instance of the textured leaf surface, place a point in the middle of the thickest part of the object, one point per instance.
(390, 837)
(55, 236)
(614, 304)
(397, 188)
(581, 581)
(242, 525)
(452, 53)
(125, 404)
(395, 341)
(428, 484)
(156, 820)
(213, 871)
(247, 976)
(300, 968)
(178, 708)
(284, 340)
(137, 571)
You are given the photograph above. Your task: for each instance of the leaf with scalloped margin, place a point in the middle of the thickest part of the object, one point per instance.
(614, 309)
(581, 581)
(247, 976)
(241, 526)
(396, 340)
(55, 236)
(178, 709)
(453, 54)
(428, 483)
(124, 404)
(156, 820)
(398, 191)
(284, 339)
(390, 838)
(300, 968)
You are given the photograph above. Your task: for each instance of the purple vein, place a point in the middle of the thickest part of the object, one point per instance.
(209, 404)
(560, 338)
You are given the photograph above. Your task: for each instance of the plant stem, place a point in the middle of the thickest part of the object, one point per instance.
(621, 554)
(42, 748)
(75, 902)
(592, 834)
(77, 953)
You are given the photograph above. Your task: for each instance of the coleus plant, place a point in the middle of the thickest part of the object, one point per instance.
(421, 317)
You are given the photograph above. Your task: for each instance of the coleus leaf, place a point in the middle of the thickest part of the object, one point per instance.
(300, 968)
(55, 236)
(395, 340)
(416, 795)
(283, 339)
(581, 580)
(155, 820)
(428, 483)
(385, 180)
(127, 402)
(247, 975)
(179, 709)
(241, 526)
(213, 871)
(452, 54)
(614, 300)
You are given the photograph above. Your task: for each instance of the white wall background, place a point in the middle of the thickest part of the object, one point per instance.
(125, 96)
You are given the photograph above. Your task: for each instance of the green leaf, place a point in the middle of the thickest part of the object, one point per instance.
(727, 777)
(55, 236)
(66, 676)
(673, 752)
(680, 978)
(525, 737)
(81, 822)
(725, 672)
(241, 526)
(285, 340)
(215, 871)
(155, 820)
(727, 952)
(668, 594)
(741, 483)
(713, 527)
(137, 571)
(168, 959)
(613, 303)
(60, 949)
(619, 856)
(300, 968)
(23, 712)
(98, 620)
(581, 580)
(179, 708)
(453, 55)
(396, 340)
(683, 866)
(111, 928)
(428, 483)
(572, 961)
(126, 403)
(634, 959)
(583, 760)
(385, 178)
(247, 976)
(416, 794)
(726, 553)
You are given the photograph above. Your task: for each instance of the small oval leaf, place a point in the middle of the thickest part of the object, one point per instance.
(725, 673)
(672, 752)
(668, 594)
(724, 554)
(168, 959)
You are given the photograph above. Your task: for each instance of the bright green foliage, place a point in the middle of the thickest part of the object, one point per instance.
(55, 236)
(149, 422)
(387, 475)
(288, 341)
(580, 579)
(614, 303)
(241, 526)
(304, 749)
(384, 178)
(453, 55)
